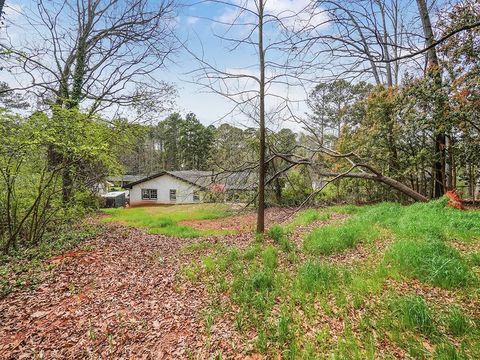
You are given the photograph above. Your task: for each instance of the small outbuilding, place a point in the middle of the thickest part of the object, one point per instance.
(115, 199)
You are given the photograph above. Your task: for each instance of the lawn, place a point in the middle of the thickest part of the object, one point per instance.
(166, 220)
(390, 281)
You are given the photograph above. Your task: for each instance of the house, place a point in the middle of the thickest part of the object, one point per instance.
(187, 187)
(123, 180)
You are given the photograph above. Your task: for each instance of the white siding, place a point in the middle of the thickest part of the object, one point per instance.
(164, 184)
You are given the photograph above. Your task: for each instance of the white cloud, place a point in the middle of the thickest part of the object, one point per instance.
(295, 14)
(191, 20)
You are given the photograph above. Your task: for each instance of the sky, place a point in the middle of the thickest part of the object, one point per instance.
(194, 27)
(198, 24)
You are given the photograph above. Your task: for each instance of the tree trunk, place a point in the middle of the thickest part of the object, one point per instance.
(261, 169)
(433, 72)
(385, 180)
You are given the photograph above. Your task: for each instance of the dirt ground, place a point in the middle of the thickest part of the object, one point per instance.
(243, 222)
(118, 297)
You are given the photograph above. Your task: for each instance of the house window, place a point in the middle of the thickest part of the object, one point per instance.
(173, 195)
(196, 196)
(149, 194)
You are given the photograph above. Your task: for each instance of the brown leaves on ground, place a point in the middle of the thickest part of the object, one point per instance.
(118, 301)
(240, 223)
(121, 300)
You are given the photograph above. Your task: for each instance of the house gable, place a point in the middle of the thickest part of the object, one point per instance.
(163, 184)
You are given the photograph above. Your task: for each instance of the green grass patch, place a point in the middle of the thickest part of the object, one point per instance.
(166, 220)
(318, 277)
(336, 238)
(306, 306)
(414, 314)
(279, 235)
(458, 324)
(308, 216)
(431, 261)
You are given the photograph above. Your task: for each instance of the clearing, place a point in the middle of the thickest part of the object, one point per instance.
(380, 281)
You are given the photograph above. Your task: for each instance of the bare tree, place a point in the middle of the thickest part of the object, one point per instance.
(260, 90)
(359, 33)
(96, 54)
(2, 4)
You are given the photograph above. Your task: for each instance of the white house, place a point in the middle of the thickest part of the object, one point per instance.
(183, 187)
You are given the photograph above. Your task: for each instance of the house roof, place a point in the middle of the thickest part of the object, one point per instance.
(130, 178)
(205, 179)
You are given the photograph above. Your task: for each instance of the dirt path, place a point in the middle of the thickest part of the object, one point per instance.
(119, 300)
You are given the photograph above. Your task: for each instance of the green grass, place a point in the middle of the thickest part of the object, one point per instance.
(306, 217)
(410, 290)
(166, 220)
(414, 313)
(431, 261)
(332, 239)
(457, 322)
(317, 277)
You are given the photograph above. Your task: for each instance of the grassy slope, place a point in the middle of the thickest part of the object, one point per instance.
(165, 219)
(411, 292)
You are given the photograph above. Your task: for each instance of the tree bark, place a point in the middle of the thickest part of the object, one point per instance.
(433, 71)
(261, 172)
(385, 180)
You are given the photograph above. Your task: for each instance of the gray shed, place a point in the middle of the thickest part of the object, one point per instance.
(115, 199)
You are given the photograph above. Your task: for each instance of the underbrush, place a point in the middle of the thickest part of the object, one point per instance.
(167, 220)
(26, 267)
(301, 302)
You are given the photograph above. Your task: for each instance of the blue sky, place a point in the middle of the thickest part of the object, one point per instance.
(198, 33)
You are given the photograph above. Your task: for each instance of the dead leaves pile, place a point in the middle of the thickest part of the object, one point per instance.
(115, 301)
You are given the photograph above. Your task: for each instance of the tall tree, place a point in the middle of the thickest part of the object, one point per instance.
(254, 87)
(438, 117)
(94, 55)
